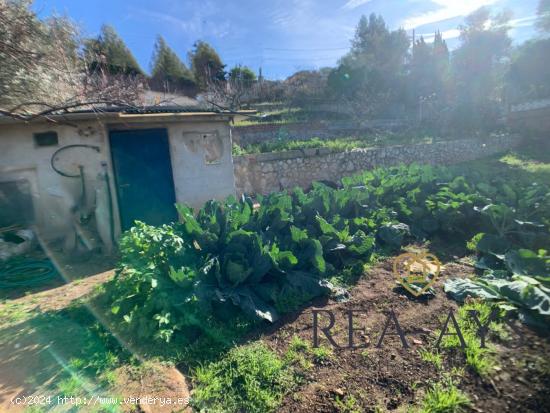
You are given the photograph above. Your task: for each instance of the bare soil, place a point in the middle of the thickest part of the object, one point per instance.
(154, 385)
(389, 378)
(33, 354)
(393, 378)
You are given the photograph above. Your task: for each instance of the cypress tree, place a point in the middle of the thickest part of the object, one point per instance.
(109, 52)
(206, 64)
(168, 71)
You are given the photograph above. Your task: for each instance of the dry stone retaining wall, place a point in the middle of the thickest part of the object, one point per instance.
(250, 134)
(268, 172)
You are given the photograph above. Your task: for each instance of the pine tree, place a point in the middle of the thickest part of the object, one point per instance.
(369, 35)
(371, 75)
(109, 52)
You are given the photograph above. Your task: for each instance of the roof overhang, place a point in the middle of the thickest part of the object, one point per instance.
(122, 117)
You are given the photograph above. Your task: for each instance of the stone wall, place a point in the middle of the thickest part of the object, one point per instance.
(530, 117)
(250, 134)
(268, 172)
(246, 135)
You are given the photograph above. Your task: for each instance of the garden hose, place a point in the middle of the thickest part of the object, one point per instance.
(65, 174)
(26, 273)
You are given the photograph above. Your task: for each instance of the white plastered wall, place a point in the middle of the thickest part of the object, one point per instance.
(202, 164)
(200, 153)
(52, 194)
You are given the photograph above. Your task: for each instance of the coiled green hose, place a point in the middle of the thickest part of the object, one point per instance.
(17, 273)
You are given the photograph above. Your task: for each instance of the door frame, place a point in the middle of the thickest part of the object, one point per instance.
(117, 210)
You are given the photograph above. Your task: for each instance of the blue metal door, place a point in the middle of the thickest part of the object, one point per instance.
(143, 176)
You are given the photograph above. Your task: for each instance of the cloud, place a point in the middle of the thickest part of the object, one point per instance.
(201, 21)
(190, 25)
(454, 33)
(523, 22)
(353, 4)
(301, 22)
(448, 9)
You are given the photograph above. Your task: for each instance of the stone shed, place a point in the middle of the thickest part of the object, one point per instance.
(98, 172)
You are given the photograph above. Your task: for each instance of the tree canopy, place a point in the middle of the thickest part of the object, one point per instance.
(46, 61)
(529, 76)
(168, 72)
(109, 52)
(478, 67)
(206, 64)
(374, 67)
(242, 74)
(429, 69)
(543, 15)
(42, 68)
(306, 87)
(231, 93)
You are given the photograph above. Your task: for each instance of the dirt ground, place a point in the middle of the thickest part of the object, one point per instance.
(392, 378)
(36, 346)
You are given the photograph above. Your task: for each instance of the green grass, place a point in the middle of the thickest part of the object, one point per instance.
(322, 354)
(280, 116)
(250, 378)
(431, 356)
(299, 344)
(297, 354)
(71, 387)
(290, 115)
(37, 409)
(337, 144)
(304, 354)
(11, 313)
(528, 163)
(282, 145)
(75, 354)
(444, 397)
(480, 360)
(191, 347)
(347, 404)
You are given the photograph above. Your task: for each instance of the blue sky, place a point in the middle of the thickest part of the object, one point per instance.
(281, 36)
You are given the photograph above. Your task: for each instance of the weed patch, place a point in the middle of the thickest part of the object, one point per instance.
(480, 360)
(250, 378)
(444, 397)
(347, 404)
(432, 356)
